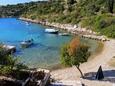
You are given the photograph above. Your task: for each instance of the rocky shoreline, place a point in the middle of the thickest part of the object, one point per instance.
(74, 29)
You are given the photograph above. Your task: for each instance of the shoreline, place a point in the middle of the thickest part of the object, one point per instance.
(92, 65)
(73, 29)
(101, 40)
(60, 26)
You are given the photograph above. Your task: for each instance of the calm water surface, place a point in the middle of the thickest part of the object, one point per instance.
(46, 48)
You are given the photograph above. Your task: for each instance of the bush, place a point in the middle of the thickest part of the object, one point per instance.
(65, 57)
(5, 70)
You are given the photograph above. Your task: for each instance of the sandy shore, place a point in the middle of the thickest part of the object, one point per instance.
(91, 66)
(72, 74)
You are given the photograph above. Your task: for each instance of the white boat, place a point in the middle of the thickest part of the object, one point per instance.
(63, 34)
(51, 31)
(27, 43)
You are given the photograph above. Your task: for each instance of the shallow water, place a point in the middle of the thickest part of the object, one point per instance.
(46, 48)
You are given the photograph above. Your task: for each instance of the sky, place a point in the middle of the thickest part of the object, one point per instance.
(5, 2)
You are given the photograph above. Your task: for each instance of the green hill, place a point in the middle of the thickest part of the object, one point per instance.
(97, 15)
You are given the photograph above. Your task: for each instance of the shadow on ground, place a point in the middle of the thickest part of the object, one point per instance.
(109, 75)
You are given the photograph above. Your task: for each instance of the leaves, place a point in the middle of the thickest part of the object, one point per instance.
(73, 45)
(74, 53)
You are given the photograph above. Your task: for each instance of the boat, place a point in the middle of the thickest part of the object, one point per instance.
(53, 31)
(63, 34)
(27, 43)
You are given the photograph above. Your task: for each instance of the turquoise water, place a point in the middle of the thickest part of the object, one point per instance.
(46, 48)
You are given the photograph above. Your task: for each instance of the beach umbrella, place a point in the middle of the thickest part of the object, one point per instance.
(99, 75)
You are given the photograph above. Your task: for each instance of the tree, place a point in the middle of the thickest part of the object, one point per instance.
(65, 56)
(73, 45)
(80, 56)
(75, 54)
(110, 5)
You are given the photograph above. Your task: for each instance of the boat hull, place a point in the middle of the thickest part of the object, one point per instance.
(51, 31)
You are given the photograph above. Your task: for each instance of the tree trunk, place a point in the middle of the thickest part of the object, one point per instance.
(80, 71)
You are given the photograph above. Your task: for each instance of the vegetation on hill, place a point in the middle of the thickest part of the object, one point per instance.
(97, 15)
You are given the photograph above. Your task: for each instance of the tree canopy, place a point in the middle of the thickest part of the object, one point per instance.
(75, 54)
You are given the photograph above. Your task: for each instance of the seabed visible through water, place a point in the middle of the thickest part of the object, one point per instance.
(46, 49)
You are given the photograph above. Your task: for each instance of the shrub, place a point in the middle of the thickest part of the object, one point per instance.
(74, 54)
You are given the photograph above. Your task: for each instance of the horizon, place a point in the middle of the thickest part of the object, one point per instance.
(13, 2)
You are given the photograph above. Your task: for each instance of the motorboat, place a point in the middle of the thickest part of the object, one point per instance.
(27, 43)
(53, 31)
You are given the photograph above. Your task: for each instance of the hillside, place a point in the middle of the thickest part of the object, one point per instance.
(97, 15)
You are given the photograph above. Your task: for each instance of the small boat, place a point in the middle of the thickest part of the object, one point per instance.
(53, 31)
(27, 43)
(63, 34)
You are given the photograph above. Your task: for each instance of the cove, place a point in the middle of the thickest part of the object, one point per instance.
(46, 49)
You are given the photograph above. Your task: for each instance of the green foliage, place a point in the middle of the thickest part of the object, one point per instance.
(65, 57)
(5, 70)
(8, 63)
(81, 55)
(76, 59)
(93, 14)
(109, 31)
(74, 54)
(104, 23)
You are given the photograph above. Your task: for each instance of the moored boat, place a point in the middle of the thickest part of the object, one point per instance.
(64, 34)
(53, 31)
(27, 43)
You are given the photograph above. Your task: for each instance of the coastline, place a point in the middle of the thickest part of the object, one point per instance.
(92, 65)
(73, 29)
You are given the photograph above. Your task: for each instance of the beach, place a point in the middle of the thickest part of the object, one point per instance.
(90, 66)
(72, 74)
